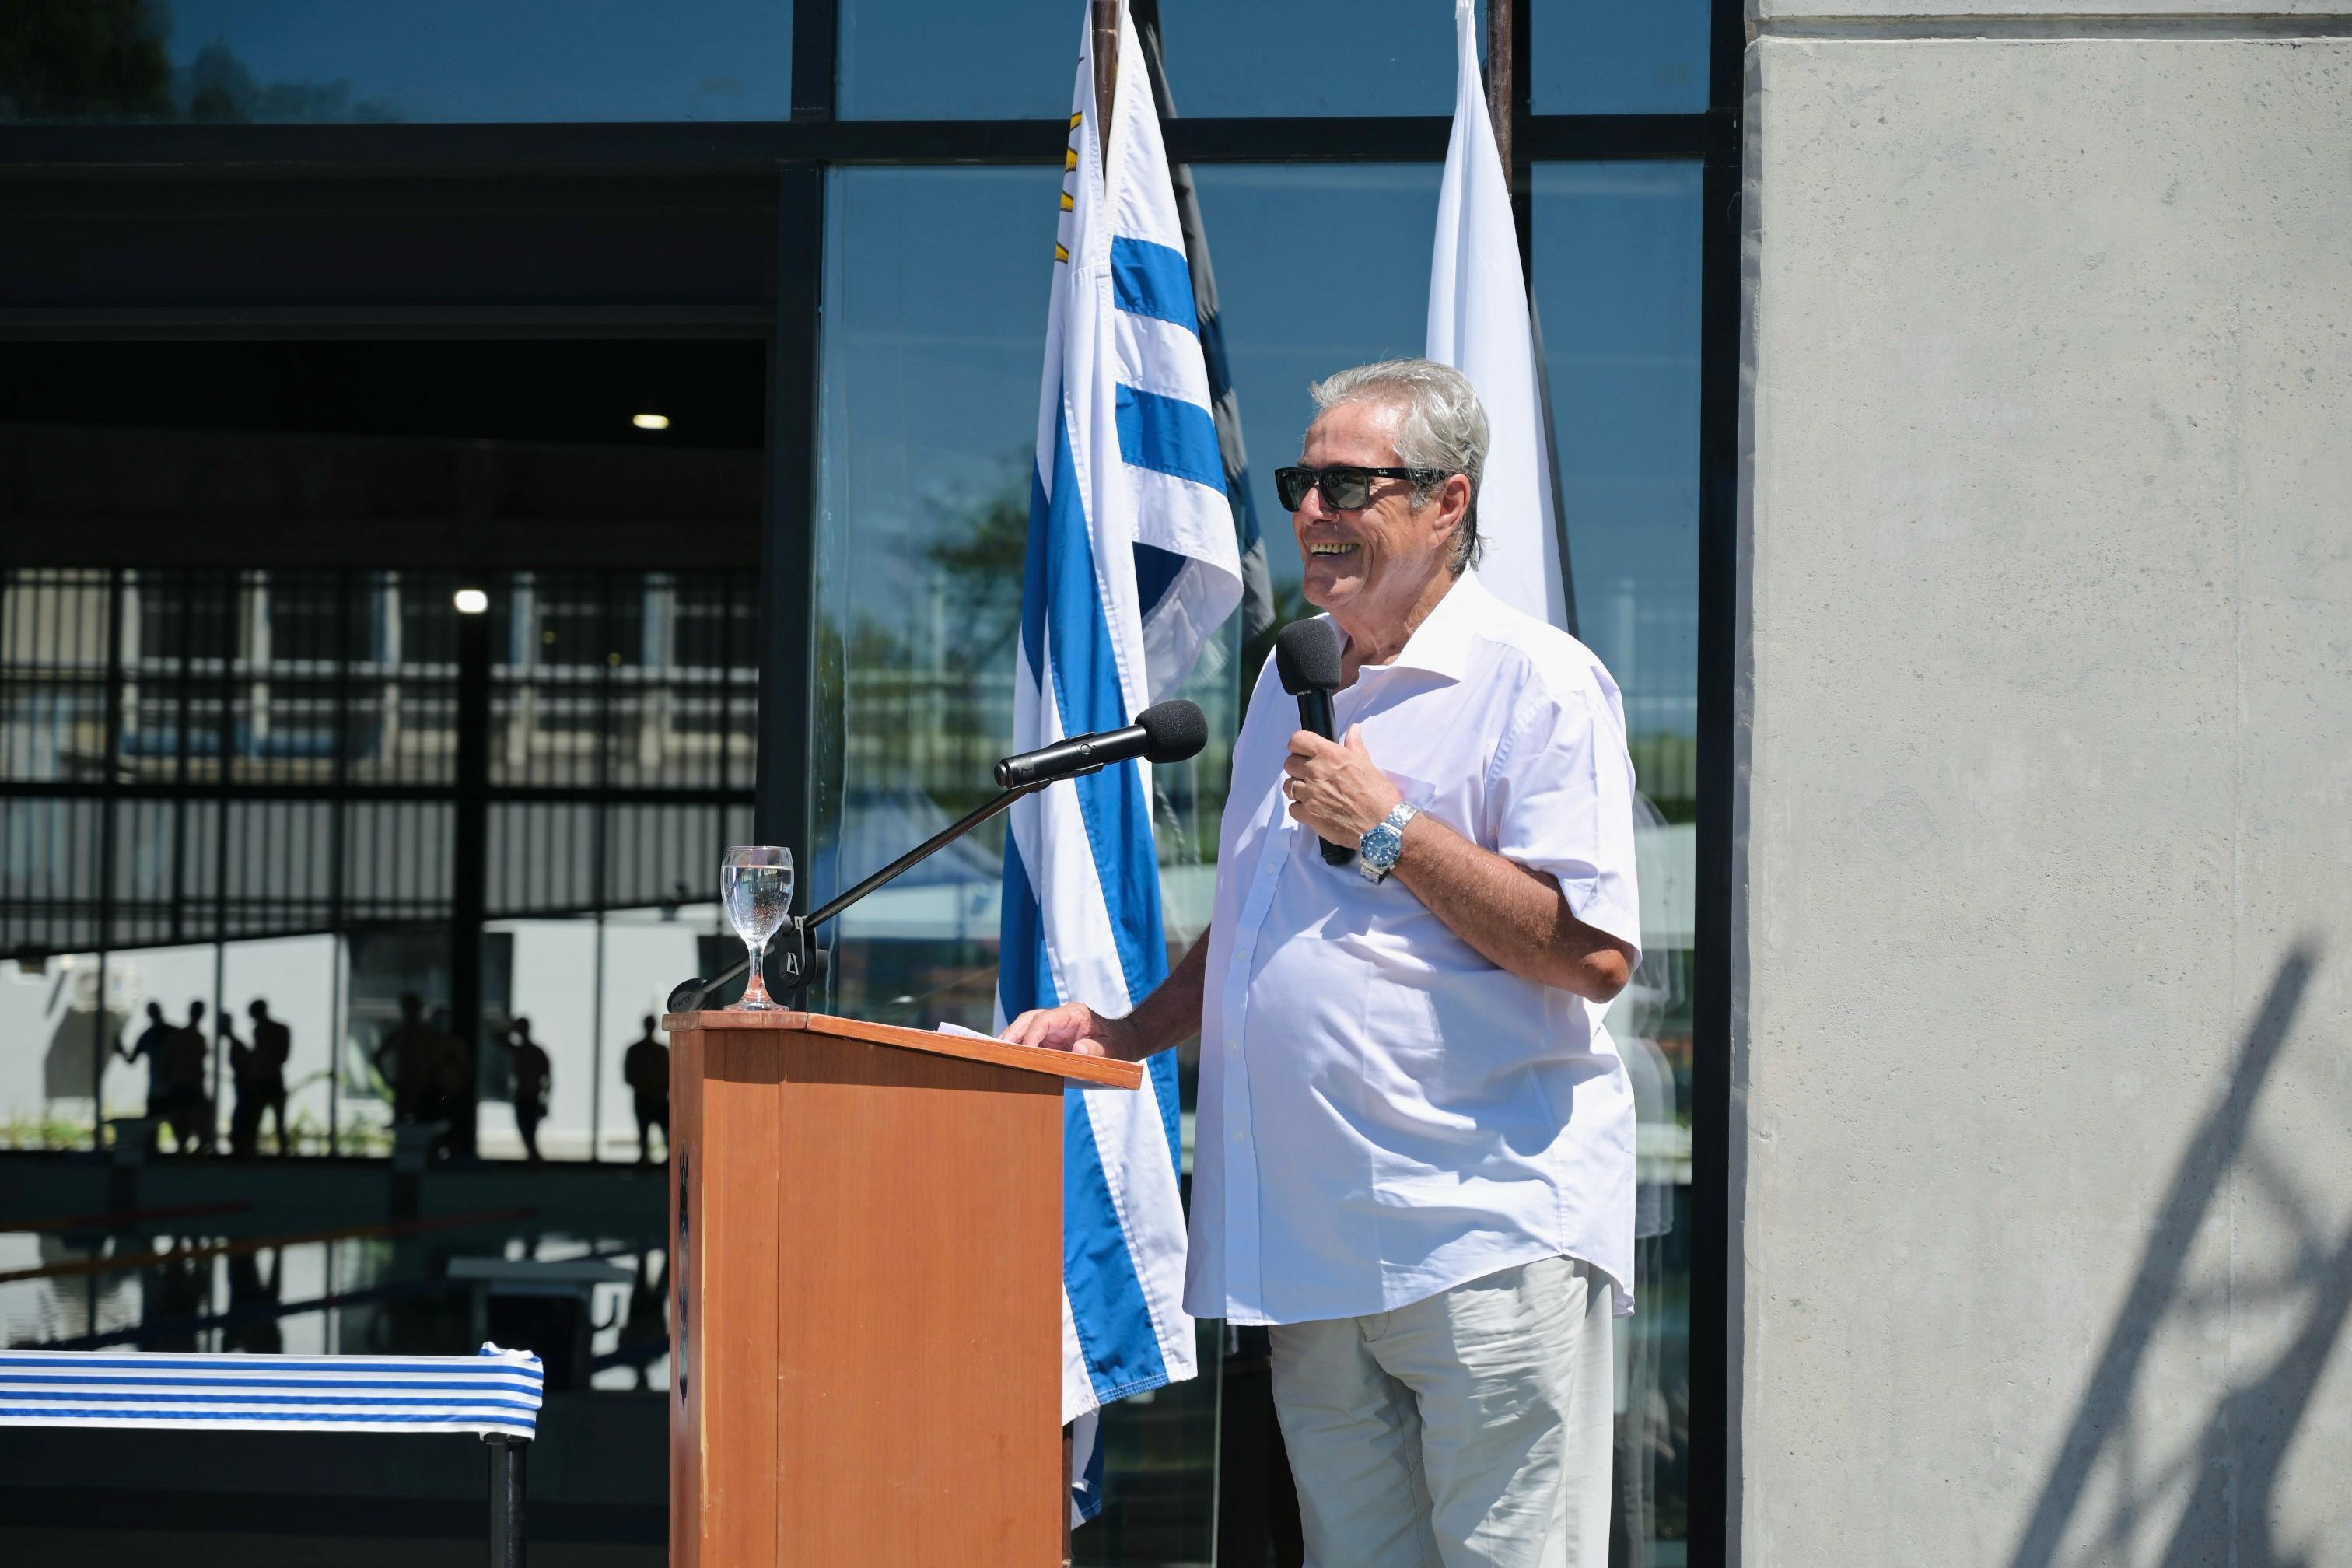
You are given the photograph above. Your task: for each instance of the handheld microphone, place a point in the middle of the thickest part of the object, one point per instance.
(1164, 732)
(1307, 658)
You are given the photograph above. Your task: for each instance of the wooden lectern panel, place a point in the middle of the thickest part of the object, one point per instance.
(866, 1295)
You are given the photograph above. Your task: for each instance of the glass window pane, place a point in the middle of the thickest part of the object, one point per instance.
(936, 294)
(1289, 319)
(1332, 57)
(1619, 57)
(1617, 284)
(321, 61)
(939, 60)
(935, 310)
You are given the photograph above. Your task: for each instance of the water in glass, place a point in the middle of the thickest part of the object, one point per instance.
(755, 883)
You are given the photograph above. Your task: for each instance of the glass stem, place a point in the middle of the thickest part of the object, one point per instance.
(755, 989)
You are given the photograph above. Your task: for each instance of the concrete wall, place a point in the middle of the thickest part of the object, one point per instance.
(2044, 971)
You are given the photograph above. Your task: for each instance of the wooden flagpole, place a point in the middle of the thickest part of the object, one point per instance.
(1105, 57)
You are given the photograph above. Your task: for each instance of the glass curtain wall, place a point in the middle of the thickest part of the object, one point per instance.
(1615, 277)
(279, 62)
(212, 778)
(232, 788)
(935, 291)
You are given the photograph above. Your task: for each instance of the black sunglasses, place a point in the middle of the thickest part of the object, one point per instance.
(1345, 487)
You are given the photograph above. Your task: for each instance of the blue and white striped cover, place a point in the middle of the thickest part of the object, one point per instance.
(1131, 568)
(494, 1391)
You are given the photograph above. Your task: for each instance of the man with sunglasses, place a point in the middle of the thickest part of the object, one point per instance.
(1415, 1152)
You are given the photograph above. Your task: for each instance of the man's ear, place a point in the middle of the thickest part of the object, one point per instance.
(1451, 505)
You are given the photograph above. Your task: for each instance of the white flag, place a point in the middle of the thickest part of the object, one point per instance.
(1478, 324)
(1132, 567)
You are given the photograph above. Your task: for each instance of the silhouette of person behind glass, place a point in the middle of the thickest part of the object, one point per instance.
(416, 1059)
(187, 1109)
(531, 1072)
(153, 1045)
(263, 1079)
(645, 1069)
(449, 1082)
(245, 1111)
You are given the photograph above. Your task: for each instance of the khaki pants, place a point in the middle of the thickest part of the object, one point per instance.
(1470, 1428)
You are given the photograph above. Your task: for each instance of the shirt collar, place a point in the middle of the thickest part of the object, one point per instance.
(1441, 644)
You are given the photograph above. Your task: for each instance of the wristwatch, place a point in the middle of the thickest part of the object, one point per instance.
(1376, 850)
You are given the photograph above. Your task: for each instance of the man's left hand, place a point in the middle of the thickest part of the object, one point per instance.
(1333, 787)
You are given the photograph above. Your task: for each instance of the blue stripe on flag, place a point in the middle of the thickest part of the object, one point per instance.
(1170, 436)
(1090, 1485)
(1024, 979)
(1213, 354)
(1074, 656)
(1107, 1306)
(1149, 280)
(1156, 570)
(1086, 693)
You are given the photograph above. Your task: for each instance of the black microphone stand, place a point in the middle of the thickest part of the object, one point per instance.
(804, 964)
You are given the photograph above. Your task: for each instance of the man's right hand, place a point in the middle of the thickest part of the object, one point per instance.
(1078, 1028)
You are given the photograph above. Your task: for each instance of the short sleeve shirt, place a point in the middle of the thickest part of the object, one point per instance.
(1384, 1114)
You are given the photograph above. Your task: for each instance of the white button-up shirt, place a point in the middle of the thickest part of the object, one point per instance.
(1384, 1114)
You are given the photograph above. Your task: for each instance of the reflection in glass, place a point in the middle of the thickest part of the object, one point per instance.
(1292, 316)
(333, 694)
(232, 62)
(1619, 57)
(935, 310)
(1616, 282)
(937, 59)
(229, 1276)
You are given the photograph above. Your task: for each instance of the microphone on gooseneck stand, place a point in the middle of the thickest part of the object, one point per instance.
(1167, 732)
(1307, 658)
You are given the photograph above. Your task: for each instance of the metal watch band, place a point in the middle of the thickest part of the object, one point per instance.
(1377, 851)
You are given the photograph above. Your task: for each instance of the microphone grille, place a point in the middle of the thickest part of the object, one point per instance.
(1173, 730)
(1307, 657)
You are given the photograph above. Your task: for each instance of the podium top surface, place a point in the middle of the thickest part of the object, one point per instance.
(1099, 1072)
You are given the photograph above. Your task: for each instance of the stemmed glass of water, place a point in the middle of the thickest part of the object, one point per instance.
(755, 882)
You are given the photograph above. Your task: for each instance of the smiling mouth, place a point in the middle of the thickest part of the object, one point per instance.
(1330, 548)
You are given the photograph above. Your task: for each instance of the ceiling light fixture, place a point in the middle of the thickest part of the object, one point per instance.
(650, 421)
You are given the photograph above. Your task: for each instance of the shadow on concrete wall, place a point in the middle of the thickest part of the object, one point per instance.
(2232, 1471)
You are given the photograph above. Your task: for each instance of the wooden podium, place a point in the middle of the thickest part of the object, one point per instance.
(866, 1327)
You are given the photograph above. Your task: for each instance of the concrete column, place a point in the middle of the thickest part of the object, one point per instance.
(2043, 968)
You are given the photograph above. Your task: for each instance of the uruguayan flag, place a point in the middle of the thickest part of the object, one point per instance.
(1132, 567)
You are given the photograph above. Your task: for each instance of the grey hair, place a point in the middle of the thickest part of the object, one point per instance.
(1440, 426)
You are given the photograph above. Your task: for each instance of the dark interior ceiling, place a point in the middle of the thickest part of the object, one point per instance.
(577, 392)
(461, 453)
